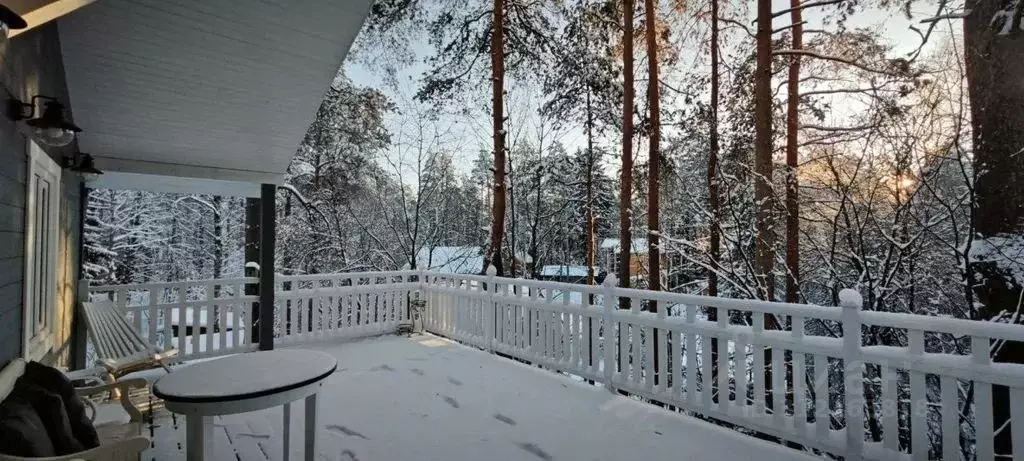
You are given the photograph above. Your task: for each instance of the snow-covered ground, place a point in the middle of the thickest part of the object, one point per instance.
(426, 398)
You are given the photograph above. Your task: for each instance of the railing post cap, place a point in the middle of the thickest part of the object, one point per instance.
(491, 271)
(850, 299)
(610, 281)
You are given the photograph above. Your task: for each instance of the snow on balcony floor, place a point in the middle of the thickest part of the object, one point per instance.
(426, 398)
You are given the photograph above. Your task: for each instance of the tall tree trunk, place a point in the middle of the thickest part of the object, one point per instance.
(764, 237)
(792, 181)
(764, 230)
(654, 169)
(511, 192)
(626, 179)
(996, 90)
(714, 201)
(498, 118)
(590, 192)
(534, 227)
(654, 154)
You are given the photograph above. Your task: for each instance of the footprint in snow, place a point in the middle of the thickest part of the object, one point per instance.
(346, 431)
(454, 381)
(384, 367)
(451, 401)
(417, 371)
(536, 451)
(504, 419)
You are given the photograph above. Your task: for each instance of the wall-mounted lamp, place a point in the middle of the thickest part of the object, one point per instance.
(9, 20)
(51, 127)
(84, 164)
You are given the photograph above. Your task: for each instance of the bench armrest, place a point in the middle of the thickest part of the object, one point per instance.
(134, 445)
(124, 386)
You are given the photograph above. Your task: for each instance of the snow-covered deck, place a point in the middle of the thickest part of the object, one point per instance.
(427, 398)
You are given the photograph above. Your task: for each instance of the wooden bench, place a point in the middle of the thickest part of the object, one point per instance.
(119, 348)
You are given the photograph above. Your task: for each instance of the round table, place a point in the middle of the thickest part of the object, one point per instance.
(243, 383)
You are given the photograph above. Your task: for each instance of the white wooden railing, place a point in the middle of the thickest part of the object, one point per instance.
(875, 385)
(350, 305)
(855, 400)
(201, 318)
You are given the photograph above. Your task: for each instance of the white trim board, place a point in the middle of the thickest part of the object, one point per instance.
(175, 184)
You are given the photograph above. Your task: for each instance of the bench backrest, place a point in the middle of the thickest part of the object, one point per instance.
(9, 375)
(112, 335)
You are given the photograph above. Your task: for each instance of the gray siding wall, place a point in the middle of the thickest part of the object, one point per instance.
(31, 64)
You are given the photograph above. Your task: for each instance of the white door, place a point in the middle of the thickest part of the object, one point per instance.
(41, 229)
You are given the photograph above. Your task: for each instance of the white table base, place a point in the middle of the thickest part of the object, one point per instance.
(310, 429)
(199, 422)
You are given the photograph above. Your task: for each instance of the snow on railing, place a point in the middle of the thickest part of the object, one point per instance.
(890, 376)
(200, 318)
(899, 399)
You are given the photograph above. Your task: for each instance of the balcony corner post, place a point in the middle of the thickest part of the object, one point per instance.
(79, 332)
(608, 303)
(851, 303)
(268, 235)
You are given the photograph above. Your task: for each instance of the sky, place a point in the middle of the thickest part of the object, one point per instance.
(472, 133)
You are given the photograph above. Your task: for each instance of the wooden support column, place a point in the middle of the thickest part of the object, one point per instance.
(79, 334)
(268, 236)
(252, 255)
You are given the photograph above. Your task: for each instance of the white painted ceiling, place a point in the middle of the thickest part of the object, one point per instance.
(210, 89)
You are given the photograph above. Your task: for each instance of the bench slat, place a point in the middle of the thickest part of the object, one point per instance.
(115, 340)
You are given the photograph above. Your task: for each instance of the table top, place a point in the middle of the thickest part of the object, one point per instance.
(245, 376)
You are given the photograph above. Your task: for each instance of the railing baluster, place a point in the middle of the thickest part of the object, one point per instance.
(568, 330)
(778, 384)
(757, 374)
(151, 316)
(723, 360)
(919, 444)
(664, 346)
(168, 333)
(225, 329)
(678, 388)
(1017, 414)
(707, 372)
(740, 367)
(182, 321)
(649, 368)
(985, 442)
(950, 419)
(853, 401)
(691, 355)
(799, 377)
(822, 412)
(610, 302)
(210, 308)
(890, 411)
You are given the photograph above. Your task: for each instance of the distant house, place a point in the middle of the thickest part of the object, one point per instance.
(609, 250)
(451, 260)
(565, 273)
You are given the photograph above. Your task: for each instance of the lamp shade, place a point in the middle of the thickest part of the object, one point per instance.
(51, 127)
(11, 20)
(87, 166)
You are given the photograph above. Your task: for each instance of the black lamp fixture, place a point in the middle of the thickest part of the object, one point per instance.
(51, 127)
(9, 20)
(83, 163)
